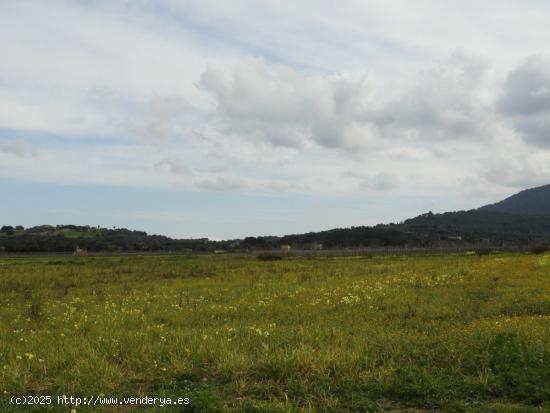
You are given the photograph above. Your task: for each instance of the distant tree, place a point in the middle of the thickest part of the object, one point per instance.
(20, 228)
(539, 249)
(7, 229)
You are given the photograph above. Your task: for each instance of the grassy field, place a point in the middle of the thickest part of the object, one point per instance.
(455, 333)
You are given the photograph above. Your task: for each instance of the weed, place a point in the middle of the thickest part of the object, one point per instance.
(237, 334)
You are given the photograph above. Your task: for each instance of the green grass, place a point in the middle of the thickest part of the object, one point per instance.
(400, 334)
(79, 234)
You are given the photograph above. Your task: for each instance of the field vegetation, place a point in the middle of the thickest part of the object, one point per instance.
(457, 333)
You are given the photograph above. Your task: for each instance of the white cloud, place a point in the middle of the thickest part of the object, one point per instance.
(525, 100)
(286, 108)
(445, 103)
(219, 97)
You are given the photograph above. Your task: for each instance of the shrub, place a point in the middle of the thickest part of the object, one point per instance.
(539, 249)
(269, 256)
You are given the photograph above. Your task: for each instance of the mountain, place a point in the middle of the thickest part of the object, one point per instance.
(521, 220)
(480, 228)
(520, 217)
(534, 201)
(480, 221)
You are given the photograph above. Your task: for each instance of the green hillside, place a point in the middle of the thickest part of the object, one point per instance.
(534, 201)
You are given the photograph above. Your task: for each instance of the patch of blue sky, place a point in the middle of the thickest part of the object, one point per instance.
(195, 214)
(213, 35)
(54, 140)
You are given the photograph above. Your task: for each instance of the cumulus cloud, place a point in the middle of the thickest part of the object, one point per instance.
(283, 107)
(527, 88)
(350, 111)
(446, 103)
(525, 100)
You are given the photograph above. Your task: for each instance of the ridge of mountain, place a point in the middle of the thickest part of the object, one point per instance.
(533, 201)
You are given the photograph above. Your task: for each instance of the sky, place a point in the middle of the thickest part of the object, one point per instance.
(228, 119)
